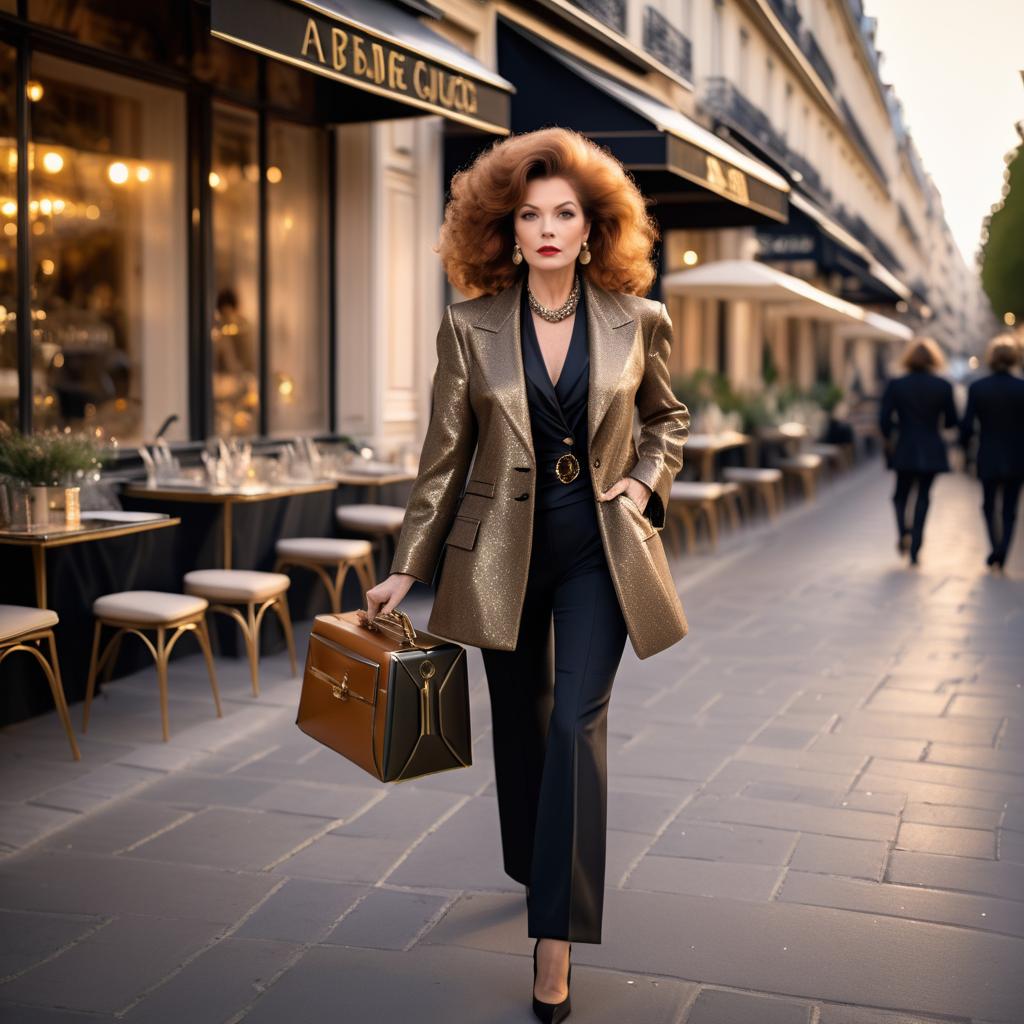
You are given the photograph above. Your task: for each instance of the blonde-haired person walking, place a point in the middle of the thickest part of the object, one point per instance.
(997, 403)
(915, 406)
(540, 375)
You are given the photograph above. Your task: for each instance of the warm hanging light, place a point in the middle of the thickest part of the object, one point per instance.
(46, 266)
(9, 209)
(214, 179)
(274, 174)
(143, 173)
(53, 163)
(1009, 318)
(117, 172)
(690, 257)
(34, 91)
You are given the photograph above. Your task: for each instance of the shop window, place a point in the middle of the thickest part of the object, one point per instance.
(8, 240)
(149, 32)
(108, 251)
(234, 181)
(297, 279)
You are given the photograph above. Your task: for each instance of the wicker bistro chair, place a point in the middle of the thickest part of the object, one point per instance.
(765, 484)
(171, 616)
(257, 592)
(23, 630)
(322, 553)
(379, 521)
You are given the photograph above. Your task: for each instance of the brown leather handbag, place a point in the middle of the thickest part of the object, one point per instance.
(391, 700)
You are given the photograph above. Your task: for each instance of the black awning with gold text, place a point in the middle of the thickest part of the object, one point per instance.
(374, 46)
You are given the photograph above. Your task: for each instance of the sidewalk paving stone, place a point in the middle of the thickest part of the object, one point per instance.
(815, 814)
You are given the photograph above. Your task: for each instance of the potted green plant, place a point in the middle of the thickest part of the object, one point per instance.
(45, 460)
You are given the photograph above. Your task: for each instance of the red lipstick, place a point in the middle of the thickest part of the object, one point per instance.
(548, 250)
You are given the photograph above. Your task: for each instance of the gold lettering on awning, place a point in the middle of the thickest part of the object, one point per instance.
(383, 65)
(731, 182)
(312, 36)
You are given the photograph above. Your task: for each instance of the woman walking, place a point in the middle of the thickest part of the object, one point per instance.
(915, 405)
(538, 380)
(997, 403)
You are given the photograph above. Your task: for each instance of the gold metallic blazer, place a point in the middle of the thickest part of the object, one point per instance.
(480, 416)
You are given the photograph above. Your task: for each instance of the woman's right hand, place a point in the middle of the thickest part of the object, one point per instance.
(386, 596)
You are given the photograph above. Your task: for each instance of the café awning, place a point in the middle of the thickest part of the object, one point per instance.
(748, 280)
(882, 328)
(375, 46)
(695, 178)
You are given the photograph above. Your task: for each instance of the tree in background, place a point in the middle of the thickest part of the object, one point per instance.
(1002, 236)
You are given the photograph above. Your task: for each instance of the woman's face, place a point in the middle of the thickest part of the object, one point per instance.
(549, 224)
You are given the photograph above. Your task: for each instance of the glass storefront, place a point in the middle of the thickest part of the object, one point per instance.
(108, 250)
(8, 237)
(178, 228)
(234, 180)
(297, 278)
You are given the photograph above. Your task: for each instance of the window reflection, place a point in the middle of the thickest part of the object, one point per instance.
(142, 31)
(108, 254)
(8, 240)
(234, 179)
(297, 307)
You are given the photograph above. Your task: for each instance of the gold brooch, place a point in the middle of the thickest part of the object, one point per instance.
(567, 468)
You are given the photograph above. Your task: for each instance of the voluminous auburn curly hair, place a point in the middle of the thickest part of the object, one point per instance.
(476, 237)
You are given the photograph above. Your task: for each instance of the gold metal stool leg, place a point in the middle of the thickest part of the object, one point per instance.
(203, 638)
(57, 685)
(161, 677)
(280, 607)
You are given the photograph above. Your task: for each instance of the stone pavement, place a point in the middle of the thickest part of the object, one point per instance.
(816, 815)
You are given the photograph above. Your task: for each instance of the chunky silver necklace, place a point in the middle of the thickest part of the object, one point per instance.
(566, 309)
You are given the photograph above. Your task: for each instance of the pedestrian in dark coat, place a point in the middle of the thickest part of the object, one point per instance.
(915, 407)
(997, 403)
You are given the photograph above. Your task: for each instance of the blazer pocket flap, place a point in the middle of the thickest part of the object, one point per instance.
(463, 532)
(483, 487)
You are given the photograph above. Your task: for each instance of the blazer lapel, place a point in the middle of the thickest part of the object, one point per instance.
(501, 360)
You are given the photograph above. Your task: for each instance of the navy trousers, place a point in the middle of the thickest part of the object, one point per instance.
(549, 702)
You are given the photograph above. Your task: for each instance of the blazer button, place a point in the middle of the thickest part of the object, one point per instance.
(522, 497)
(597, 462)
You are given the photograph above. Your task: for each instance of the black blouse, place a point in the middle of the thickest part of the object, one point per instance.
(558, 413)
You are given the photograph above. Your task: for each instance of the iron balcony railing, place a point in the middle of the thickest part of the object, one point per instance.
(729, 105)
(665, 42)
(609, 12)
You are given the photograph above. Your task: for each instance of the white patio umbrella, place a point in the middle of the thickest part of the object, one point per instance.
(751, 280)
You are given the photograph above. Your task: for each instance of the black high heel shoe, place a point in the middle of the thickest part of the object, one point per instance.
(551, 1013)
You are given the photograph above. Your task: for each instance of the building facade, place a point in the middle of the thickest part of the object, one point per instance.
(223, 212)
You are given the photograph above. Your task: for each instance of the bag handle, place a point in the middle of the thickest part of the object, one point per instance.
(392, 621)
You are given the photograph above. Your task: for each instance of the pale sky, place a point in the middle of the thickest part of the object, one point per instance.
(955, 65)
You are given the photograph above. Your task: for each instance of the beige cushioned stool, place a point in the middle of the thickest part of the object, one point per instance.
(804, 468)
(319, 553)
(380, 521)
(171, 616)
(229, 587)
(764, 483)
(689, 498)
(22, 629)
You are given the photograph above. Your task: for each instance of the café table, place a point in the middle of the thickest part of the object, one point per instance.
(706, 446)
(227, 497)
(789, 436)
(373, 482)
(99, 525)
